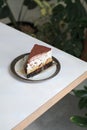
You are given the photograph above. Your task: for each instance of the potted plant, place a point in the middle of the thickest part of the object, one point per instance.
(5, 11)
(27, 27)
(65, 27)
(82, 95)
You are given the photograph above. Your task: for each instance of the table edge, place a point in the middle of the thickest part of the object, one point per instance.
(27, 121)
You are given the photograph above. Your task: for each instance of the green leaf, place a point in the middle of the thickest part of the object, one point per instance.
(58, 13)
(80, 93)
(86, 1)
(85, 87)
(4, 12)
(83, 102)
(65, 1)
(30, 4)
(80, 121)
(1, 3)
(75, 11)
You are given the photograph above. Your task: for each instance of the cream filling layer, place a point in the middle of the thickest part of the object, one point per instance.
(38, 61)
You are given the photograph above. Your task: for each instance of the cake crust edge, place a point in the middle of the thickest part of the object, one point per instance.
(40, 70)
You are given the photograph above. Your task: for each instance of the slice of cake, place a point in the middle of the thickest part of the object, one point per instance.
(39, 59)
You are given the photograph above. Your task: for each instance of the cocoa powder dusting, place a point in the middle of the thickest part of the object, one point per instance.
(38, 49)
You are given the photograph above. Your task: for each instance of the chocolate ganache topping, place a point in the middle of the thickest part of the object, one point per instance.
(38, 49)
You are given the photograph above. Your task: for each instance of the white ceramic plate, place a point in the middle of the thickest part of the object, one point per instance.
(17, 67)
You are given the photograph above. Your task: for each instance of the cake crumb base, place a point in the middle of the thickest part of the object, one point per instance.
(39, 70)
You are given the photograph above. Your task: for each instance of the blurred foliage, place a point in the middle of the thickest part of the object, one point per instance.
(82, 95)
(5, 11)
(65, 27)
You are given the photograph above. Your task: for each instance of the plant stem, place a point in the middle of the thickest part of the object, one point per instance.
(19, 17)
(39, 3)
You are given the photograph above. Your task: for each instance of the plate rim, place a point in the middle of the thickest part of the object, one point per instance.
(13, 63)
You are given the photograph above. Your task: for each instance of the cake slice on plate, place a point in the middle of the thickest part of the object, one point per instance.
(40, 58)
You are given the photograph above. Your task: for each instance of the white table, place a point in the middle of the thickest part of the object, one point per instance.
(20, 102)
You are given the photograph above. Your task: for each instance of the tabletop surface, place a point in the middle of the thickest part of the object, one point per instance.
(20, 99)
